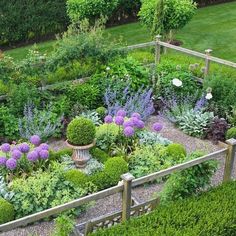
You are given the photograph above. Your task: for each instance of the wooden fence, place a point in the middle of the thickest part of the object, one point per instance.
(130, 207)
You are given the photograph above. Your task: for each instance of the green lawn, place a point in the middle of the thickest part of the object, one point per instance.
(212, 27)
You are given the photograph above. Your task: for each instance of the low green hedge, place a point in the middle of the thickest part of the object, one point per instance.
(212, 213)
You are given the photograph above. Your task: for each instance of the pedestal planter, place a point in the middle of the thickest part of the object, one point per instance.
(81, 154)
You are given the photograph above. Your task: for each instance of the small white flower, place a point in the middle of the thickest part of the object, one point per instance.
(177, 82)
(209, 96)
(108, 68)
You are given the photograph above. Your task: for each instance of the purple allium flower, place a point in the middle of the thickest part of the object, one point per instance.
(38, 149)
(6, 147)
(3, 161)
(119, 120)
(24, 147)
(35, 139)
(108, 119)
(129, 131)
(33, 156)
(44, 146)
(137, 115)
(44, 154)
(135, 121)
(11, 164)
(140, 124)
(121, 112)
(16, 154)
(157, 127)
(128, 123)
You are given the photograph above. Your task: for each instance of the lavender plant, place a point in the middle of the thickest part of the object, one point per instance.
(44, 123)
(140, 102)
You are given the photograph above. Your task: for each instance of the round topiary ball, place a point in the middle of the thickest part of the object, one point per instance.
(231, 133)
(81, 131)
(6, 211)
(176, 150)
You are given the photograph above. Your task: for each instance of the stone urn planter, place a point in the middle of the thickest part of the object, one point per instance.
(80, 154)
(81, 137)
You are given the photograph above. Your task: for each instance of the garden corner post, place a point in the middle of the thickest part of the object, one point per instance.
(207, 62)
(126, 197)
(230, 159)
(158, 50)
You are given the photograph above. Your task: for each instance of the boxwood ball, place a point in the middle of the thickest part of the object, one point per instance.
(81, 131)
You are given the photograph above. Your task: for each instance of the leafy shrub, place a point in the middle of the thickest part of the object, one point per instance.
(43, 123)
(64, 225)
(8, 124)
(162, 17)
(176, 150)
(223, 91)
(102, 111)
(207, 214)
(149, 159)
(106, 136)
(84, 43)
(19, 95)
(81, 131)
(42, 191)
(152, 138)
(231, 133)
(189, 181)
(195, 123)
(166, 86)
(87, 95)
(7, 212)
(217, 129)
(99, 154)
(79, 10)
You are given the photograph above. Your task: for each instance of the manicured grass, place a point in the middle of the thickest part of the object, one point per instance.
(212, 27)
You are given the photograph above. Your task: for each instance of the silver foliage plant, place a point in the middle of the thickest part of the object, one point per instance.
(93, 116)
(43, 123)
(194, 122)
(152, 138)
(4, 193)
(93, 166)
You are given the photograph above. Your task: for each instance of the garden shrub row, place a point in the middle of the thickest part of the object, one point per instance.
(211, 213)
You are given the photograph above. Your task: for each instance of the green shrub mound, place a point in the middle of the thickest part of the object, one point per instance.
(231, 133)
(99, 154)
(176, 150)
(212, 213)
(81, 131)
(57, 155)
(76, 177)
(6, 211)
(113, 169)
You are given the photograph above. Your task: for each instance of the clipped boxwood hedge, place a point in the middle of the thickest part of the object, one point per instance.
(6, 211)
(212, 213)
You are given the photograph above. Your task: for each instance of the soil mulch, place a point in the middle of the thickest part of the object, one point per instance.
(141, 193)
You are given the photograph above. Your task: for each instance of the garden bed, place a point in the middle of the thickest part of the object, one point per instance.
(142, 193)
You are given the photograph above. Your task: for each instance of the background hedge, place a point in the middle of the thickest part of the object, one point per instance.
(25, 20)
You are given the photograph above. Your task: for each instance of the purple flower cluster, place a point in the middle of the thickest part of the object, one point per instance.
(16, 152)
(129, 125)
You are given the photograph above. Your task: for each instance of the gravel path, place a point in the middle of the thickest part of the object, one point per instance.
(142, 193)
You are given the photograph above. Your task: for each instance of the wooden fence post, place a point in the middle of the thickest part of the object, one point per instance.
(126, 196)
(157, 50)
(207, 62)
(229, 161)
